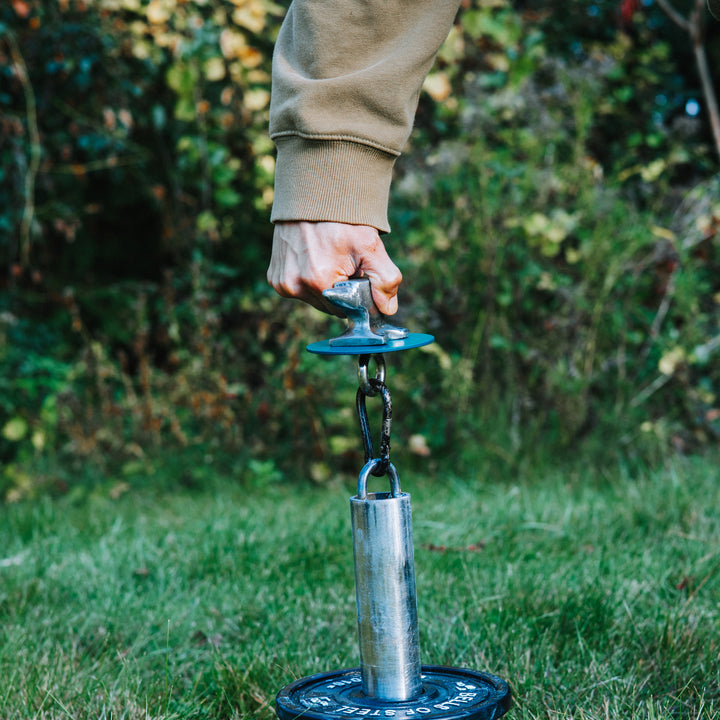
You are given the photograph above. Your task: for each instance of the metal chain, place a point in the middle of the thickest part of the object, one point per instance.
(363, 379)
(372, 387)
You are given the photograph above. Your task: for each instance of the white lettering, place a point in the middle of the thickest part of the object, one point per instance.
(465, 686)
(343, 683)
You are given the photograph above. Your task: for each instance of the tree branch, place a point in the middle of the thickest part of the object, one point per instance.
(695, 28)
(674, 15)
(35, 148)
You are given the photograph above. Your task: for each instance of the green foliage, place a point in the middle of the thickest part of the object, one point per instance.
(548, 232)
(565, 280)
(148, 123)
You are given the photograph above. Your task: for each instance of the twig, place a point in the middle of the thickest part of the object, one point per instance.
(35, 147)
(650, 389)
(663, 308)
(694, 26)
(674, 15)
(708, 91)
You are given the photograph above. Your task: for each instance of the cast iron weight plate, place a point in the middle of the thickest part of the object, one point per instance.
(413, 340)
(448, 694)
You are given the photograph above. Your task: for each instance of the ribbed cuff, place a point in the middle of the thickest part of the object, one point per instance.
(333, 181)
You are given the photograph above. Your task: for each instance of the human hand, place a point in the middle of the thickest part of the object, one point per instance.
(309, 257)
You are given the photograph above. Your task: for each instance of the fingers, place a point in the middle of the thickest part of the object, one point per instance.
(308, 258)
(298, 266)
(385, 278)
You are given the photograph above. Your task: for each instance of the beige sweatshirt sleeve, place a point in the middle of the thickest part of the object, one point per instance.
(346, 80)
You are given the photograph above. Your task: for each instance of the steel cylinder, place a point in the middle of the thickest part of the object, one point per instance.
(385, 591)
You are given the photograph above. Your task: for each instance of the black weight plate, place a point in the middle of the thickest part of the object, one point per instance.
(448, 694)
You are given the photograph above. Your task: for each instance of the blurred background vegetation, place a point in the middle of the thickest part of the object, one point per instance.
(556, 217)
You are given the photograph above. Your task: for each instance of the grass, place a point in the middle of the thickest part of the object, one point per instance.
(596, 597)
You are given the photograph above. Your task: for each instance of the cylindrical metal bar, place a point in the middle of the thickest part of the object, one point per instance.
(385, 591)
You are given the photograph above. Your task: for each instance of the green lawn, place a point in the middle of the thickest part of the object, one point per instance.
(595, 597)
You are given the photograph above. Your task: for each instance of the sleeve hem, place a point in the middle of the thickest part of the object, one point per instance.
(332, 180)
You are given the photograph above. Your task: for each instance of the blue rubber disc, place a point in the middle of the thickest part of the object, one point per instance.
(413, 340)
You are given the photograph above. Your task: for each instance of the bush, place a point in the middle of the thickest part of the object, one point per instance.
(549, 238)
(566, 291)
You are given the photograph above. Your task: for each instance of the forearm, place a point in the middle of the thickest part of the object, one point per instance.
(346, 80)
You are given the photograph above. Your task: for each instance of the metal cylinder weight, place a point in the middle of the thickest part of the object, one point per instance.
(390, 682)
(385, 590)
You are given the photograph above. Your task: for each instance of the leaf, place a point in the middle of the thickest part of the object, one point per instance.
(251, 16)
(15, 429)
(214, 69)
(671, 360)
(232, 44)
(185, 110)
(21, 8)
(227, 197)
(157, 13)
(663, 233)
(437, 86)
(256, 99)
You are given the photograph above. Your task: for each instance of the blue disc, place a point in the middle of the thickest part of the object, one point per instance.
(413, 340)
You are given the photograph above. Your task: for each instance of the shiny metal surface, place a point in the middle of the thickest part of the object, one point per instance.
(385, 591)
(366, 324)
(364, 378)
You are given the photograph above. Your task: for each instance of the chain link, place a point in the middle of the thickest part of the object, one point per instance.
(363, 378)
(375, 387)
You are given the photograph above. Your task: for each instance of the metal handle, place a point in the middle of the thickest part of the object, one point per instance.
(366, 324)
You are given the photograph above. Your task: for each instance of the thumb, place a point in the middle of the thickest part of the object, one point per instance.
(385, 278)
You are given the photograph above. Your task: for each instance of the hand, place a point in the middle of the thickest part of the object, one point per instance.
(309, 257)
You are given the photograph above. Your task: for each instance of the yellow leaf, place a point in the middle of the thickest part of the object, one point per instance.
(556, 233)
(437, 86)
(232, 44)
(251, 57)
(214, 69)
(573, 256)
(546, 282)
(704, 224)
(157, 13)
(536, 224)
(498, 61)
(15, 429)
(267, 163)
(418, 445)
(141, 50)
(653, 171)
(670, 361)
(251, 17)
(256, 99)
(663, 233)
